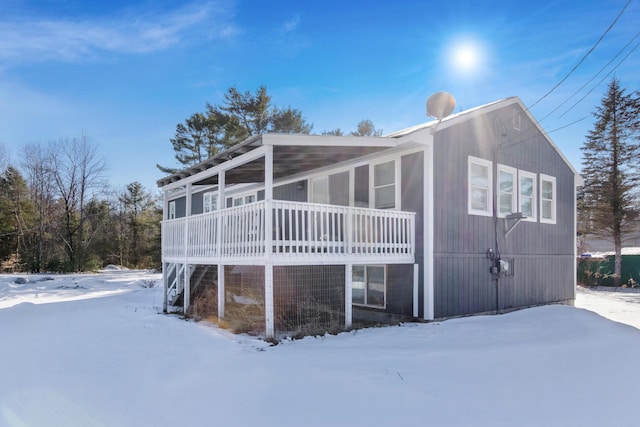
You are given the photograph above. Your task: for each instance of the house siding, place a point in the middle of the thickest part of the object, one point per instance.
(543, 253)
(293, 192)
(400, 290)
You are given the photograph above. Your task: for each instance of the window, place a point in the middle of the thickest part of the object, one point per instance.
(209, 202)
(527, 195)
(547, 199)
(172, 209)
(507, 198)
(480, 188)
(242, 200)
(368, 285)
(384, 185)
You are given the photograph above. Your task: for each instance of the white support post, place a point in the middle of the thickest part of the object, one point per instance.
(221, 205)
(187, 288)
(348, 290)
(416, 275)
(268, 241)
(428, 231)
(187, 268)
(165, 287)
(268, 199)
(268, 300)
(221, 291)
(165, 266)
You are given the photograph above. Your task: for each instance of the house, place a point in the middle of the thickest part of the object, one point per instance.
(472, 213)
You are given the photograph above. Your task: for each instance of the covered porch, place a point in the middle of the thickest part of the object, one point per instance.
(274, 235)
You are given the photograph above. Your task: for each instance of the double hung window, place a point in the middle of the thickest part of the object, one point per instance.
(547, 199)
(480, 187)
(209, 202)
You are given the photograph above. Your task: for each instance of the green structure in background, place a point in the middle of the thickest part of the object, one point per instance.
(599, 271)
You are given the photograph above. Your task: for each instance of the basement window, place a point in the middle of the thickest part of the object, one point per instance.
(547, 199)
(368, 285)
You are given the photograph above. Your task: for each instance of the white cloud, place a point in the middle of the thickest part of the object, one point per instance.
(291, 24)
(38, 40)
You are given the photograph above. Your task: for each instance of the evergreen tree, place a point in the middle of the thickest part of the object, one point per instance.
(608, 201)
(240, 116)
(16, 217)
(366, 128)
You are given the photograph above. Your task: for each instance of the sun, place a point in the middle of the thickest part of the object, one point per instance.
(466, 56)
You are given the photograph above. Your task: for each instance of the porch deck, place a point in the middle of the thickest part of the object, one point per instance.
(300, 233)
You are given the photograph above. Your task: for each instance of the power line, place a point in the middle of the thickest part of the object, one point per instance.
(601, 80)
(583, 58)
(592, 78)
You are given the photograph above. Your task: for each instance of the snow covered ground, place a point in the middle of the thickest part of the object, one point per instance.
(93, 350)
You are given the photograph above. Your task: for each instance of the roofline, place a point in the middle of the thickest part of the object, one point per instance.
(453, 119)
(276, 139)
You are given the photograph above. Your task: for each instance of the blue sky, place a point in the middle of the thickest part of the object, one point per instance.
(126, 72)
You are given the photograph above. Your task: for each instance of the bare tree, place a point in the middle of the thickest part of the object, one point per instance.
(77, 170)
(4, 157)
(36, 164)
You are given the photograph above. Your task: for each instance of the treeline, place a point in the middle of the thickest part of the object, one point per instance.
(58, 213)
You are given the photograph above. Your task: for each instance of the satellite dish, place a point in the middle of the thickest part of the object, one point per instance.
(440, 105)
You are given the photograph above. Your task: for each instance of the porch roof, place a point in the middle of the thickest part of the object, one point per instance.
(292, 154)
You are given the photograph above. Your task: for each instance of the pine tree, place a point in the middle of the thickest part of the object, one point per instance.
(241, 115)
(609, 198)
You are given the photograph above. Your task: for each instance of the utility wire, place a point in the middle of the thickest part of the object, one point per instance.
(592, 78)
(601, 80)
(583, 58)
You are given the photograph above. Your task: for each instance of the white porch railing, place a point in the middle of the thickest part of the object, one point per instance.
(300, 231)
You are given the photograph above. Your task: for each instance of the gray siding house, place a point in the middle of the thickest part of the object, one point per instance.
(298, 234)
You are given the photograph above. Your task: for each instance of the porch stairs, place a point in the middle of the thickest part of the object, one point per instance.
(199, 274)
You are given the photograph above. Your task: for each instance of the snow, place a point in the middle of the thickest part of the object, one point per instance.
(94, 350)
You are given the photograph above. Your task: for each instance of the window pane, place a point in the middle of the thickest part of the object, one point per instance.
(479, 175)
(547, 190)
(375, 286)
(546, 209)
(479, 199)
(384, 174)
(506, 203)
(506, 192)
(506, 182)
(385, 197)
(357, 285)
(526, 206)
(237, 202)
(249, 199)
(526, 186)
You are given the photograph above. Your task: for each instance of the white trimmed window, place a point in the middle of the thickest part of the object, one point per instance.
(507, 196)
(209, 202)
(547, 199)
(384, 185)
(480, 186)
(172, 209)
(527, 195)
(369, 285)
(242, 200)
